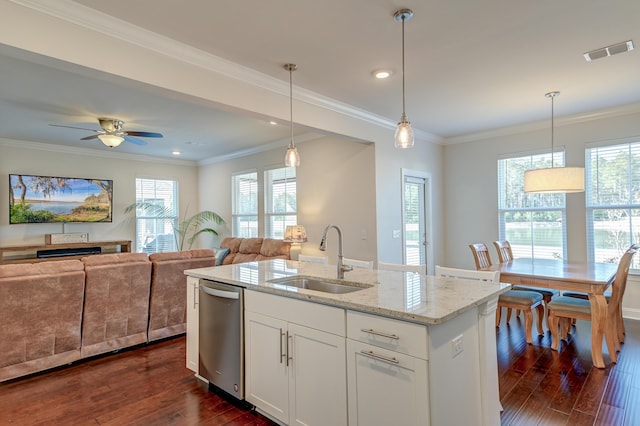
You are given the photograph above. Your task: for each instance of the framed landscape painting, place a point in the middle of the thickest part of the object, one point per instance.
(49, 199)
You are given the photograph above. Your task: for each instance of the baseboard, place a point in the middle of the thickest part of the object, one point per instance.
(631, 313)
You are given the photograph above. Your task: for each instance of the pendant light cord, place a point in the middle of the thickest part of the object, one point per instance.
(291, 103)
(404, 116)
(552, 126)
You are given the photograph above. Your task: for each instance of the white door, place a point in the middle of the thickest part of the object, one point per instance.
(416, 219)
(266, 381)
(317, 374)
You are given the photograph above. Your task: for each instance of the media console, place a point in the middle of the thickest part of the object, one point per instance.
(42, 252)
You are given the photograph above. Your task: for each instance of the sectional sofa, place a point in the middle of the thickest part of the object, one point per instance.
(59, 311)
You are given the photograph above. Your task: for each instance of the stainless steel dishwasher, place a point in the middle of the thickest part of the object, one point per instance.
(221, 336)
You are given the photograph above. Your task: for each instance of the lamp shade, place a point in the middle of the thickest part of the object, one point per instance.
(554, 180)
(295, 234)
(111, 140)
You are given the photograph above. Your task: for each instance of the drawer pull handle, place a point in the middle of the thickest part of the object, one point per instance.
(372, 354)
(380, 333)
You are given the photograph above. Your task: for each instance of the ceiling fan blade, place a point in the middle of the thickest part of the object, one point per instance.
(144, 134)
(133, 140)
(71, 127)
(86, 138)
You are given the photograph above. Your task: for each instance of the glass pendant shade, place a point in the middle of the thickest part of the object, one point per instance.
(554, 180)
(111, 140)
(291, 157)
(404, 135)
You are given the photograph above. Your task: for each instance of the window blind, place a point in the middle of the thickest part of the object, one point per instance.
(534, 224)
(280, 201)
(154, 230)
(244, 205)
(613, 201)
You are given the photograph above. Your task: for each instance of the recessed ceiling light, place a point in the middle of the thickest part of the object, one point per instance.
(176, 152)
(382, 73)
(273, 123)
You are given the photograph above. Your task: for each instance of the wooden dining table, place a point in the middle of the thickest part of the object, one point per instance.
(590, 278)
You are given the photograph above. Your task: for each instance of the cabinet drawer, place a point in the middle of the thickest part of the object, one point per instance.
(313, 315)
(387, 333)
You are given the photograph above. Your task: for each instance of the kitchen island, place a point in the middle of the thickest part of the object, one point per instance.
(405, 348)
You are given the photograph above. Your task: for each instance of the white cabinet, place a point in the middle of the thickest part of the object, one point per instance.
(295, 360)
(192, 324)
(387, 371)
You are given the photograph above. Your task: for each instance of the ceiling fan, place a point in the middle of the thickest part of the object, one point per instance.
(112, 134)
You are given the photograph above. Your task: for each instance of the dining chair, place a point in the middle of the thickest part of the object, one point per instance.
(401, 267)
(362, 264)
(505, 254)
(565, 309)
(315, 259)
(480, 255)
(526, 301)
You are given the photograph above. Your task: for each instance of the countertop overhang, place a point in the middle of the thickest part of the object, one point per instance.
(407, 296)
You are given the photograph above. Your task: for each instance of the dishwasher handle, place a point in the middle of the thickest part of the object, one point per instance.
(220, 293)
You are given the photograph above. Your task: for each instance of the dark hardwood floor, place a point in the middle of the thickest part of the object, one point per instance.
(539, 386)
(150, 386)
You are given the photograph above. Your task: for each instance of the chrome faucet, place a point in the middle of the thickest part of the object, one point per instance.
(342, 268)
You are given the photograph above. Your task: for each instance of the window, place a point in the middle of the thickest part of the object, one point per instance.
(280, 201)
(613, 201)
(534, 224)
(244, 210)
(154, 230)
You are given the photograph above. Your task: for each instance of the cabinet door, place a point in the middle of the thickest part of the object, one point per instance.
(386, 387)
(266, 381)
(317, 377)
(192, 324)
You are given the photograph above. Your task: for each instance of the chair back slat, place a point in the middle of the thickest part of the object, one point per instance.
(480, 255)
(503, 247)
(620, 282)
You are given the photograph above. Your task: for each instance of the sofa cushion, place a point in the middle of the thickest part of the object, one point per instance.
(250, 246)
(272, 248)
(109, 259)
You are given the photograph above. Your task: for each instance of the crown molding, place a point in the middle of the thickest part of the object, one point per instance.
(89, 152)
(110, 26)
(544, 124)
(306, 137)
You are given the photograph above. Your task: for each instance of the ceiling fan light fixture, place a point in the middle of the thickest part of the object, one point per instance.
(111, 141)
(404, 133)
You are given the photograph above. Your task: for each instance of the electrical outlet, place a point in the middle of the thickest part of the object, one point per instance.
(363, 234)
(457, 346)
(396, 233)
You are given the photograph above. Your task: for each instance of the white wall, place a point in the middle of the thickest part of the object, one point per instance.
(21, 157)
(471, 199)
(335, 185)
(470, 175)
(423, 157)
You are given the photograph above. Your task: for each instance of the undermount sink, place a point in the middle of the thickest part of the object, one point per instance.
(325, 285)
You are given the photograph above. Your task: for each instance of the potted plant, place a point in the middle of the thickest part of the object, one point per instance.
(186, 230)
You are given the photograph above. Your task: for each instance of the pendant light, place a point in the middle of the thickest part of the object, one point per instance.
(404, 132)
(554, 179)
(291, 157)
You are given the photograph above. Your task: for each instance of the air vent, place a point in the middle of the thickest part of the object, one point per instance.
(609, 51)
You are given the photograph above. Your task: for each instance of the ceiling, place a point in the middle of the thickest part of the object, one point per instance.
(471, 67)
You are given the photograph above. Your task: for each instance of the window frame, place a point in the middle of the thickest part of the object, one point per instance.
(251, 216)
(533, 203)
(270, 215)
(632, 145)
(169, 222)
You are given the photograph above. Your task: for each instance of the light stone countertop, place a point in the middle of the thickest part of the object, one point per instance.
(402, 295)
